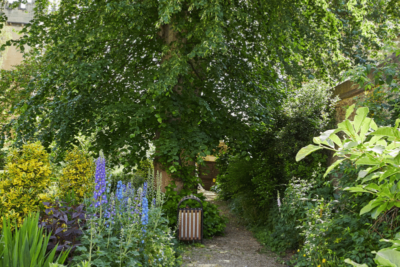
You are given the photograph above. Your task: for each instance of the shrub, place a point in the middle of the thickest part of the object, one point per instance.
(144, 167)
(24, 183)
(77, 175)
(125, 175)
(2, 159)
(214, 224)
(253, 176)
(63, 222)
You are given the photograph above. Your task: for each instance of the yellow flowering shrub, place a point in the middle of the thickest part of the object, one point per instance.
(23, 185)
(78, 175)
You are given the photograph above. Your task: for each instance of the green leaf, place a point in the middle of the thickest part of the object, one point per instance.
(364, 128)
(370, 206)
(333, 165)
(356, 190)
(305, 151)
(375, 213)
(373, 125)
(377, 149)
(365, 160)
(389, 172)
(350, 144)
(396, 125)
(375, 139)
(385, 131)
(371, 176)
(354, 263)
(316, 140)
(336, 140)
(349, 111)
(359, 118)
(363, 173)
(325, 135)
(388, 257)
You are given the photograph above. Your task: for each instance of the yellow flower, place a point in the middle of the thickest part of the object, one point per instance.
(298, 250)
(319, 265)
(323, 261)
(304, 255)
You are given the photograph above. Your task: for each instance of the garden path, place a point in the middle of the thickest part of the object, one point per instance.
(237, 248)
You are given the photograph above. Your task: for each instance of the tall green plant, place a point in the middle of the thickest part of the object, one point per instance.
(377, 151)
(26, 246)
(366, 145)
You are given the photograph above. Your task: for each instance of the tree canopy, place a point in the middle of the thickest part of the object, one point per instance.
(181, 74)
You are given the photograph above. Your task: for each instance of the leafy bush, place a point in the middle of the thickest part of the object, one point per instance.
(26, 246)
(380, 152)
(213, 224)
(126, 227)
(77, 175)
(64, 223)
(3, 156)
(385, 257)
(253, 176)
(375, 152)
(125, 175)
(144, 167)
(24, 183)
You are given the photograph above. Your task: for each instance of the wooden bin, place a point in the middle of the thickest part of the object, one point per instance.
(190, 221)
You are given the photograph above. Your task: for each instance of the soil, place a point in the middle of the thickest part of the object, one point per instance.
(237, 248)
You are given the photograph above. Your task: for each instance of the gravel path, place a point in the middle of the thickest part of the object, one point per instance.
(237, 248)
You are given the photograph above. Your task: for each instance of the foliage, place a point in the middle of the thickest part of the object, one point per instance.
(380, 152)
(126, 227)
(373, 149)
(5, 35)
(24, 183)
(385, 257)
(253, 178)
(325, 223)
(145, 166)
(3, 156)
(26, 246)
(77, 175)
(63, 222)
(300, 197)
(213, 223)
(380, 79)
(181, 74)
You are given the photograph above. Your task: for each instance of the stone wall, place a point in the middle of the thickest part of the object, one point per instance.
(17, 18)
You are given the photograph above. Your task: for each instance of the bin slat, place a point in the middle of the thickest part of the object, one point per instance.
(190, 222)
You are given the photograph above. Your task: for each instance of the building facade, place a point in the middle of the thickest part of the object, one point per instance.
(17, 18)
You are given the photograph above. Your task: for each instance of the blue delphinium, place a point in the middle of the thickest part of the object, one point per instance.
(120, 190)
(144, 189)
(100, 181)
(145, 211)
